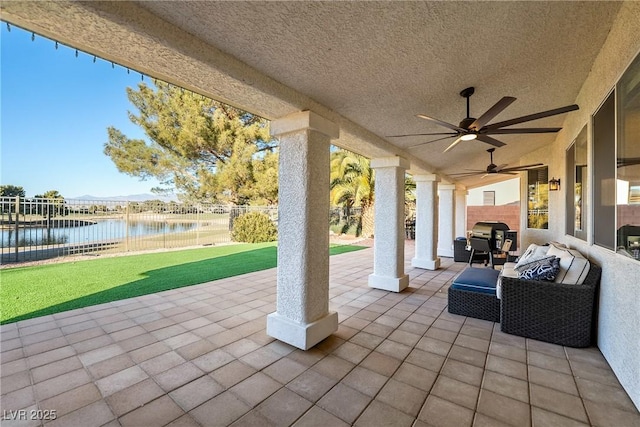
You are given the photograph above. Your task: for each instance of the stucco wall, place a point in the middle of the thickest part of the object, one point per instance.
(619, 305)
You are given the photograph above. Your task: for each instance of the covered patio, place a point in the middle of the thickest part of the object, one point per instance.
(375, 327)
(200, 356)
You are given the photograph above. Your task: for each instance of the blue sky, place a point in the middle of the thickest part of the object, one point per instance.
(55, 109)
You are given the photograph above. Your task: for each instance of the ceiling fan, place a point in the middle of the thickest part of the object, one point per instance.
(495, 169)
(471, 128)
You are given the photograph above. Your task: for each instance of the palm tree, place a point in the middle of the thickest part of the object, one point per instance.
(352, 186)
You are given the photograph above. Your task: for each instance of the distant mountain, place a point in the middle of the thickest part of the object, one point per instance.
(130, 198)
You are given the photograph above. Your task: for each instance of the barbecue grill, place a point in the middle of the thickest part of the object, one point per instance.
(489, 237)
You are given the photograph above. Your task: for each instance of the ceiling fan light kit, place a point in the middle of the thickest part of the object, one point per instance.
(471, 128)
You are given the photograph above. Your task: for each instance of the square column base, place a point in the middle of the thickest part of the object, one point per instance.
(393, 284)
(303, 336)
(427, 264)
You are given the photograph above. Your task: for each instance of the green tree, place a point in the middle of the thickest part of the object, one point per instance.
(11, 191)
(352, 185)
(203, 149)
(54, 203)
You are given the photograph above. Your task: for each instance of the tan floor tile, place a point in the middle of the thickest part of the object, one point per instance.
(561, 403)
(260, 358)
(606, 415)
(541, 418)
(121, 380)
(344, 402)
(50, 356)
(95, 414)
(415, 376)
(378, 413)
(184, 421)
(84, 335)
(317, 417)
(426, 360)
(380, 363)
(253, 418)
(472, 342)
(604, 394)
(506, 386)
(196, 392)
(507, 367)
(441, 413)
(456, 391)
(71, 400)
(222, 410)
(402, 396)
(44, 346)
(178, 376)
(404, 337)
(433, 345)
(590, 355)
(255, 389)
(311, 385)
(508, 352)
(284, 407)
(352, 352)
(61, 383)
(133, 397)
(464, 372)
(553, 379)
(367, 340)
(156, 413)
(378, 329)
(241, 347)
(100, 354)
(546, 348)
(163, 362)
(504, 409)
(441, 334)
(16, 382)
(232, 373)
(13, 367)
(333, 367)
(110, 366)
(95, 343)
(468, 355)
(137, 342)
(149, 351)
(481, 420)
(552, 363)
(365, 381)
(18, 399)
(592, 372)
(284, 370)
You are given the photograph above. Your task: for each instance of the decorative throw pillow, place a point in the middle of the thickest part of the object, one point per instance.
(533, 262)
(533, 253)
(545, 270)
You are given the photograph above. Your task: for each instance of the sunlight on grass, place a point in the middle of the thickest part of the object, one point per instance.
(28, 292)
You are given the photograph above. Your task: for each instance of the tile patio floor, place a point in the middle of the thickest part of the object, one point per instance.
(200, 356)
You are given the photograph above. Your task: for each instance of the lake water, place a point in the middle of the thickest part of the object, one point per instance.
(105, 230)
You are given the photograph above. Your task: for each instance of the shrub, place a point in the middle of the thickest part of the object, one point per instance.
(254, 227)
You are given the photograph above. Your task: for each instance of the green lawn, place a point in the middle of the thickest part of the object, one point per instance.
(27, 292)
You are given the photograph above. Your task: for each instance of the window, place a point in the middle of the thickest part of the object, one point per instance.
(628, 162)
(538, 198)
(577, 190)
(616, 152)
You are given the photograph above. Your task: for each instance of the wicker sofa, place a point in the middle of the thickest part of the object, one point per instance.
(553, 312)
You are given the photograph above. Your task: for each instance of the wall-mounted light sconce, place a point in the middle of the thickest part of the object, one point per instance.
(554, 184)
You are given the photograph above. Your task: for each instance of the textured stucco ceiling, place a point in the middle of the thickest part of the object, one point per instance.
(375, 65)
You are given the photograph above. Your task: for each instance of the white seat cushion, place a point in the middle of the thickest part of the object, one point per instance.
(574, 267)
(508, 270)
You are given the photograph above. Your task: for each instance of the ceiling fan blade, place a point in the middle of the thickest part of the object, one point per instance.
(497, 172)
(421, 134)
(441, 123)
(429, 142)
(453, 144)
(521, 130)
(491, 113)
(535, 116)
(520, 168)
(489, 140)
(475, 172)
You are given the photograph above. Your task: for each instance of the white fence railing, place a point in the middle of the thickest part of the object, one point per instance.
(35, 229)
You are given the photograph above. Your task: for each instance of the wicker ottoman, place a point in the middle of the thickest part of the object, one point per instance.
(473, 294)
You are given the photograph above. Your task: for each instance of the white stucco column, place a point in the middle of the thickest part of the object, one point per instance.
(446, 220)
(388, 247)
(426, 222)
(460, 200)
(302, 316)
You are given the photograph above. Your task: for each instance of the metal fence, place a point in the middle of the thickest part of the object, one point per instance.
(36, 229)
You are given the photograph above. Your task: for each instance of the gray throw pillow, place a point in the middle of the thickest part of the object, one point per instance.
(544, 270)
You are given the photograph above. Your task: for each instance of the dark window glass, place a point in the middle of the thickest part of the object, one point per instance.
(538, 198)
(604, 161)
